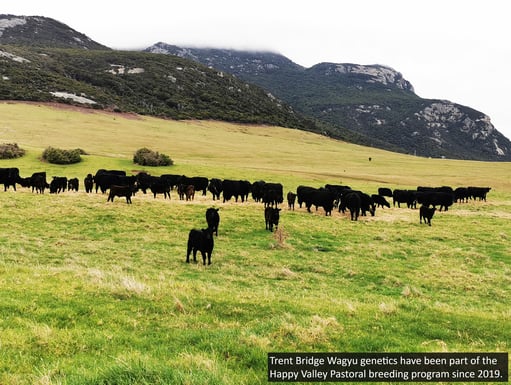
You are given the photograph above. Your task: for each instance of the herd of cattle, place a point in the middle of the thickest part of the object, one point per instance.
(328, 197)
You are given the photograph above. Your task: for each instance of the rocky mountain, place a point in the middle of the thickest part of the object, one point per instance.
(43, 32)
(373, 100)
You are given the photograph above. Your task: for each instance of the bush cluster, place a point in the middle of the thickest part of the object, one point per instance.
(146, 157)
(11, 151)
(59, 156)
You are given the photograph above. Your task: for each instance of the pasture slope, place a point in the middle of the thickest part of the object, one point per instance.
(99, 293)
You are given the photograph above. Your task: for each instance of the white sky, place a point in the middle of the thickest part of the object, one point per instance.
(448, 49)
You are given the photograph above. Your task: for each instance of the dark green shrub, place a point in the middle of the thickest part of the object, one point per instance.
(11, 151)
(146, 157)
(59, 156)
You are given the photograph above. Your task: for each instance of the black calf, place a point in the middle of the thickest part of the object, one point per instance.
(271, 216)
(200, 240)
(427, 213)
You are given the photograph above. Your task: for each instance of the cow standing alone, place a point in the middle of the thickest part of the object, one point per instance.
(213, 219)
(427, 213)
(200, 240)
(271, 216)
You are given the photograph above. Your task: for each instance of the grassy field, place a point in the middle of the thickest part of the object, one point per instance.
(99, 293)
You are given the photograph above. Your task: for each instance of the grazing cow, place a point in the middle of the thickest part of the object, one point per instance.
(380, 200)
(25, 182)
(121, 191)
(366, 202)
(215, 187)
(404, 196)
(144, 181)
(200, 240)
(426, 212)
(213, 219)
(434, 198)
(461, 194)
(478, 192)
(190, 192)
(199, 183)
(73, 184)
(271, 217)
(106, 178)
(353, 202)
(88, 182)
(338, 191)
(38, 182)
(322, 197)
(304, 194)
(159, 186)
(385, 192)
(291, 197)
(9, 177)
(58, 184)
(171, 179)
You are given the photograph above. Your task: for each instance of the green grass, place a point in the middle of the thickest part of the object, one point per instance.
(99, 293)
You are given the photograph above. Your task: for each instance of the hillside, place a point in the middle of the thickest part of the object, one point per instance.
(96, 292)
(373, 100)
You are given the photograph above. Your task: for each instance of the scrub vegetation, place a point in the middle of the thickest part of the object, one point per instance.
(99, 293)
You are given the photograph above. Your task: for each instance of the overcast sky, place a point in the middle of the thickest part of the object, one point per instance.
(448, 49)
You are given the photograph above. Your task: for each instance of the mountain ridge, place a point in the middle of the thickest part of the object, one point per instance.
(373, 100)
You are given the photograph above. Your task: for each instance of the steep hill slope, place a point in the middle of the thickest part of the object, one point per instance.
(375, 101)
(160, 85)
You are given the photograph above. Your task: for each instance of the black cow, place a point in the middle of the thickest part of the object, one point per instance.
(427, 213)
(338, 190)
(257, 190)
(144, 181)
(322, 198)
(304, 194)
(73, 184)
(231, 188)
(385, 192)
(404, 196)
(461, 194)
(273, 194)
(171, 179)
(199, 183)
(353, 202)
(200, 240)
(442, 199)
(38, 182)
(380, 200)
(105, 178)
(121, 191)
(213, 219)
(159, 186)
(9, 177)
(215, 187)
(58, 184)
(88, 182)
(291, 198)
(478, 192)
(271, 217)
